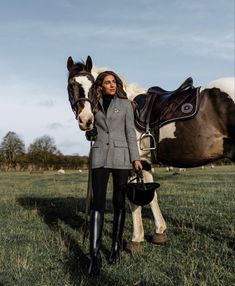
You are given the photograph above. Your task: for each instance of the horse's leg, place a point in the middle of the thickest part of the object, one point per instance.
(159, 221)
(160, 224)
(136, 211)
(159, 236)
(134, 246)
(138, 229)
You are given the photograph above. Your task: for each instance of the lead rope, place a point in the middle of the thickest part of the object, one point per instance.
(88, 196)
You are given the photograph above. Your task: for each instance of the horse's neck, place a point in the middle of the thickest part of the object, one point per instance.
(226, 85)
(97, 70)
(130, 88)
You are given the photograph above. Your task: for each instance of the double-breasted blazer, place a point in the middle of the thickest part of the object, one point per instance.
(116, 144)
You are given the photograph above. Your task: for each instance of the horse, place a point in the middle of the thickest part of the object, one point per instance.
(206, 137)
(80, 80)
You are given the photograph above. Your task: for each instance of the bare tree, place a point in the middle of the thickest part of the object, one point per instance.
(43, 151)
(12, 146)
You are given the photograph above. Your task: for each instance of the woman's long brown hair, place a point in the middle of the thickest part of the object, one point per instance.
(96, 89)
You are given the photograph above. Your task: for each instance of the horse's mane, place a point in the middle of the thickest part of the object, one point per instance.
(132, 89)
(76, 69)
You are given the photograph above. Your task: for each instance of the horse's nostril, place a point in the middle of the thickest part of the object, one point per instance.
(80, 120)
(88, 122)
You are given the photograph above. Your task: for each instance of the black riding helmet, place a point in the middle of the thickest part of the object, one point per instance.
(140, 193)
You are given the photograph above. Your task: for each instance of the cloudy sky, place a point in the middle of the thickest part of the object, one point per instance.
(150, 42)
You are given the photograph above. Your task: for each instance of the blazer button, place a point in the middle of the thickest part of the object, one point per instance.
(107, 132)
(107, 143)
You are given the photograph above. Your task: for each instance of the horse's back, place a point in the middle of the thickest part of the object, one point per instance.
(226, 84)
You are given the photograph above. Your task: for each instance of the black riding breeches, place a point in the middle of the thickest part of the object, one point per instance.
(100, 177)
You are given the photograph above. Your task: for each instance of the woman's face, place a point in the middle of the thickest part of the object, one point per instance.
(109, 85)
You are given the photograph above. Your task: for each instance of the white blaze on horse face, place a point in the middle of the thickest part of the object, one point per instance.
(85, 117)
(167, 131)
(85, 83)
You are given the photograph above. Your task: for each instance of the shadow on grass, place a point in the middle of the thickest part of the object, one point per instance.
(215, 235)
(70, 211)
(54, 209)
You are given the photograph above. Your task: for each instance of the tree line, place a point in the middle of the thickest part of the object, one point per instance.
(42, 154)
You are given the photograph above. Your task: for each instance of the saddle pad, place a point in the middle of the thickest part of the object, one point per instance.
(158, 110)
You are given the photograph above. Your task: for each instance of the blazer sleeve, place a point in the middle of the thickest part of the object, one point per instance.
(131, 133)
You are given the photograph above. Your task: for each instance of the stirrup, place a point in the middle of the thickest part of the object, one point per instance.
(145, 135)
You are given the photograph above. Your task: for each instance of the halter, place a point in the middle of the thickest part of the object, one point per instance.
(82, 99)
(77, 101)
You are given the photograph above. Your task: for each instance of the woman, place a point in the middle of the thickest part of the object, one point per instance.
(114, 151)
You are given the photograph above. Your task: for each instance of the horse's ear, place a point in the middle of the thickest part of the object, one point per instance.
(88, 64)
(69, 63)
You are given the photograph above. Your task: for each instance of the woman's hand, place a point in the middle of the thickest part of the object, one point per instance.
(137, 165)
(91, 135)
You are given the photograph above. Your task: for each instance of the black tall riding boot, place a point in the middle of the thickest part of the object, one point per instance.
(118, 225)
(96, 226)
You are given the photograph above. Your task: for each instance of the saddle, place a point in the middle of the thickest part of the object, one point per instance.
(158, 107)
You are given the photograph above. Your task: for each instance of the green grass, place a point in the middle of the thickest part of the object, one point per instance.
(41, 231)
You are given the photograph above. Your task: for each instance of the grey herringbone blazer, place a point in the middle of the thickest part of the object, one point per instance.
(116, 143)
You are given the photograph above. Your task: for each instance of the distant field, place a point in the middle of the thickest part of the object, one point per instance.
(41, 231)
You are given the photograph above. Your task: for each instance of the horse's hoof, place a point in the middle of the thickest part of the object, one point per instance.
(134, 247)
(159, 238)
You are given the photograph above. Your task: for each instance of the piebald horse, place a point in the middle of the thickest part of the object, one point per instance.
(204, 138)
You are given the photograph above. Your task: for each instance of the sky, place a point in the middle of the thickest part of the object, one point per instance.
(149, 42)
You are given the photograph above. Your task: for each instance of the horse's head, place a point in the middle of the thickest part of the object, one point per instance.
(80, 81)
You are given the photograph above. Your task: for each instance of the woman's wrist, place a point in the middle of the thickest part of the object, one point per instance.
(137, 165)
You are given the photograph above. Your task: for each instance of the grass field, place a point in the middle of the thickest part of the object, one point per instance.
(42, 216)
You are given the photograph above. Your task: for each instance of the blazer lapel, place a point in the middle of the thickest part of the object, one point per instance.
(114, 107)
(102, 112)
